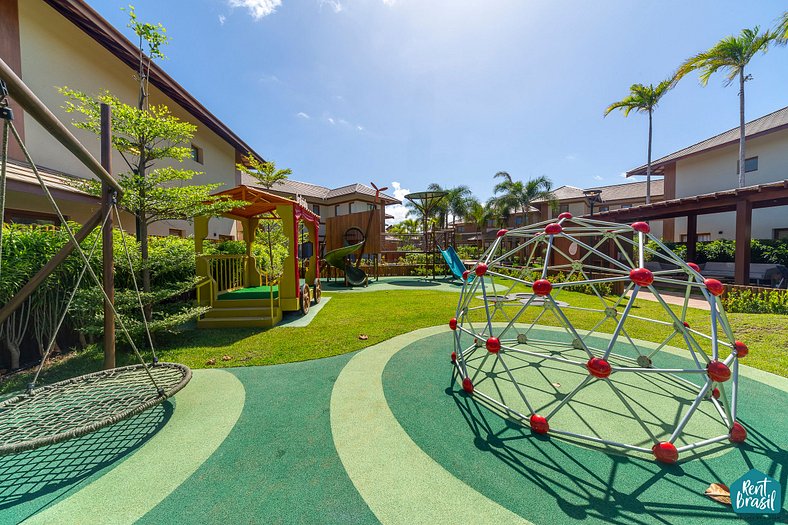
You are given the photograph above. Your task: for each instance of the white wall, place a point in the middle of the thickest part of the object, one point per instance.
(56, 53)
(716, 170)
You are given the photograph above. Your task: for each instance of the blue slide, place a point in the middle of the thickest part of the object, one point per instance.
(453, 260)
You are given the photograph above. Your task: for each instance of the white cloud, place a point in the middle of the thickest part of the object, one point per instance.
(331, 120)
(335, 5)
(597, 177)
(360, 127)
(303, 115)
(257, 8)
(389, 2)
(222, 19)
(570, 157)
(399, 211)
(623, 174)
(270, 79)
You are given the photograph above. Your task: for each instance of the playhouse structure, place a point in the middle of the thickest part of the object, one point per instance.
(517, 349)
(238, 292)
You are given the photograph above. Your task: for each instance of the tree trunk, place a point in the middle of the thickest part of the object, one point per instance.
(13, 350)
(145, 258)
(648, 164)
(741, 128)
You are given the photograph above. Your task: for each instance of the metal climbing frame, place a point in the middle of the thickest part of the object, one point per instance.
(497, 325)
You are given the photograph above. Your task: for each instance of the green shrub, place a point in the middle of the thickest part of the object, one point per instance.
(766, 251)
(760, 302)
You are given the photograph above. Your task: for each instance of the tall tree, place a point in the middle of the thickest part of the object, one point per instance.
(512, 195)
(643, 99)
(782, 29)
(731, 54)
(146, 135)
(478, 214)
(455, 203)
(267, 175)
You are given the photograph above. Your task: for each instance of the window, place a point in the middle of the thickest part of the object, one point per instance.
(604, 208)
(702, 237)
(31, 217)
(518, 221)
(316, 209)
(780, 234)
(176, 232)
(196, 153)
(336, 210)
(226, 237)
(750, 164)
(370, 207)
(350, 207)
(563, 208)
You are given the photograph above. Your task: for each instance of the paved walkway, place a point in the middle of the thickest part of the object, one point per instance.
(670, 298)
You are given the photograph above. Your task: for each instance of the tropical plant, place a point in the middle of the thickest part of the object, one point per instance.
(731, 54)
(478, 215)
(515, 196)
(405, 226)
(643, 99)
(782, 29)
(267, 175)
(454, 204)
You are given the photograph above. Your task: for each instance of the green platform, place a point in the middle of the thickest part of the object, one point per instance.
(257, 292)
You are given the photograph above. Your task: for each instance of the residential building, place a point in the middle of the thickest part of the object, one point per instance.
(712, 165)
(330, 202)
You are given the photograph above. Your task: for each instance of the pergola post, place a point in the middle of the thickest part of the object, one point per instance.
(108, 266)
(692, 238)
(743, 238)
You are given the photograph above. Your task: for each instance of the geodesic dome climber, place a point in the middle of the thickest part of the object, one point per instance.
(571, 364)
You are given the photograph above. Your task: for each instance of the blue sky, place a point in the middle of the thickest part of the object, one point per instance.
(408, 92)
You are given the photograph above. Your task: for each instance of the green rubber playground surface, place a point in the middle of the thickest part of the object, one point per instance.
(380, 436)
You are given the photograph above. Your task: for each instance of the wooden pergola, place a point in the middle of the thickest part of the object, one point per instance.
(739, 200)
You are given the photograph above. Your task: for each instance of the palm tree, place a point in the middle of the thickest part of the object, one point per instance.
(643, 99)
(478, 214)
(732, 54)
(516, 195)
(782, 29)
(454, 203)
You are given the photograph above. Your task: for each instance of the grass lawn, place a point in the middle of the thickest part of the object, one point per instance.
(384, 314)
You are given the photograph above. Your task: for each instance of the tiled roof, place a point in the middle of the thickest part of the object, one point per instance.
(630, 190)
(765, 124)
(306, 189)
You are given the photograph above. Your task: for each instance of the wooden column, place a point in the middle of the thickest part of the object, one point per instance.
(11, 53)
(743, 237)
(692, 237)
(107, 196)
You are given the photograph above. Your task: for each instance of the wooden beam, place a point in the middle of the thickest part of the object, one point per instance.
(743, 236)
(11, 52)
(108, 265)
(692, 238)
(24, 292)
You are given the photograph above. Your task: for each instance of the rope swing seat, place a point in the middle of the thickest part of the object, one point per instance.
(45, 415)
(72, 408)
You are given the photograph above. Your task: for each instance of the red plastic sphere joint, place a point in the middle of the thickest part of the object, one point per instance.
(598, 367)
(715, 393)
(741, 349)
(718, 371)
(565, 215)
(493, 345)
(641, 276)
(467, 385)
(714, 286)
(738, 433)
(481, 269)
(454, 357)
(465, 275)
(542, 287)
(453, 323)
(665, 452)
(539, 424)
(641, 226)
(501, 233)
(686, 324)
(553, 229)
(694, 266)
